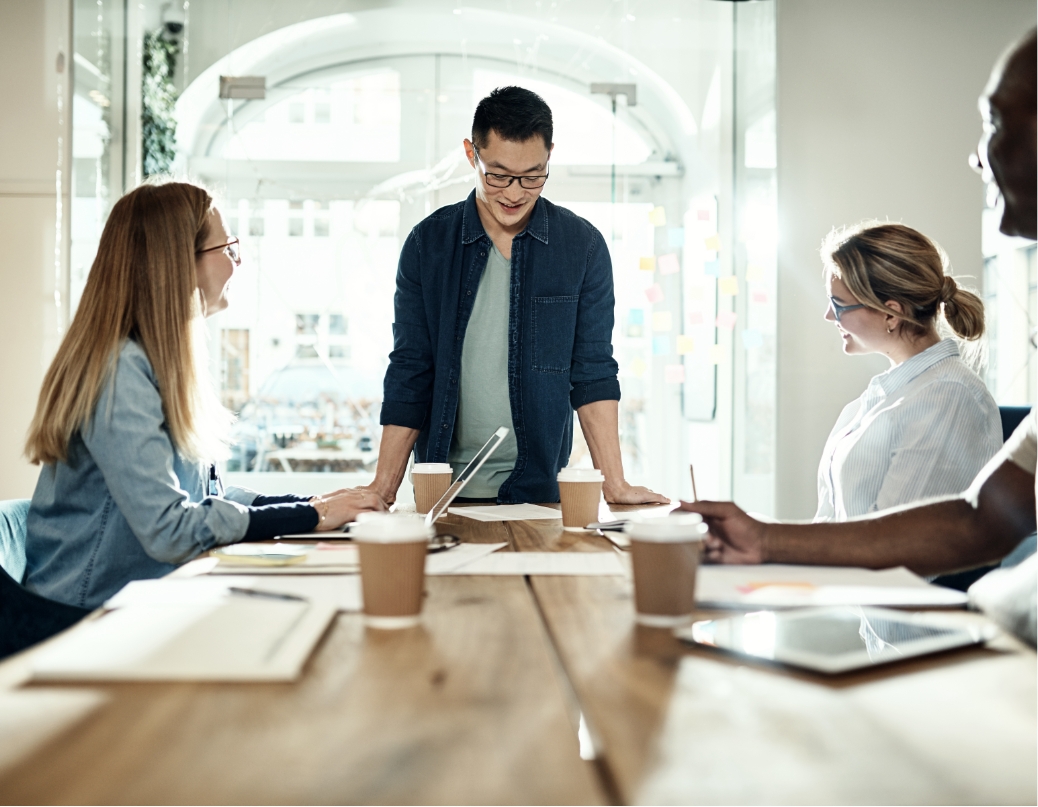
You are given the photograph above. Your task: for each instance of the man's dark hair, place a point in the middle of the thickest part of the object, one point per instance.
(516, 114)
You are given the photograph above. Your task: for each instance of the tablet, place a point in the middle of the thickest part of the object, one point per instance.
(834, 639)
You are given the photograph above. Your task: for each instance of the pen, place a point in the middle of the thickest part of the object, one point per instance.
(270, 595)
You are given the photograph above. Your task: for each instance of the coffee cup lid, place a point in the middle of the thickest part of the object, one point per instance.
(580, 475)
(682, 527)
(387, 528)
(432, 468)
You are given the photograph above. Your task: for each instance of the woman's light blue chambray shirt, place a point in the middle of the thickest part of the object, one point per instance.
(126, 505)
(922, 429)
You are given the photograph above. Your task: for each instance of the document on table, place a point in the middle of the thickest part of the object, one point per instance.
(779, 586)
(320, 559)
(546, 563)
(341, 591)
(507, 512)
(31, 717)
(449, 561)
(236, 638)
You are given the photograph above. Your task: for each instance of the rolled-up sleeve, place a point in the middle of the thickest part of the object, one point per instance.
(128, 440)
(407, 388)
(593, 370)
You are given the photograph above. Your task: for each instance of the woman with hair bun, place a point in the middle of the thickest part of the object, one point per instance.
(128, 425)
(926, 426)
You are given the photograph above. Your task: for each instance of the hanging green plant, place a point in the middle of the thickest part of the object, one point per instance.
(158, 121)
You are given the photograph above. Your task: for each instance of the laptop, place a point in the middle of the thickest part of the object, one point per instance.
(469, 471)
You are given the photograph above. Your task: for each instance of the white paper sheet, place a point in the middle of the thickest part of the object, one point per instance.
(342, 591)
(448, 561)
(333, 559)
(779, 586)
(233, 639)
(546, 563)
(507, 512)
(31, 717)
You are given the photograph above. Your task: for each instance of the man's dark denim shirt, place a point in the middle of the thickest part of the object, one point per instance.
(560, 351)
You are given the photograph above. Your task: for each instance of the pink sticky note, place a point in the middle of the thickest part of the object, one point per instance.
(654, 293)
(726, 320)
(703, 215)
(674, 373)
(695, 318)
(668, 264)
(760, 297)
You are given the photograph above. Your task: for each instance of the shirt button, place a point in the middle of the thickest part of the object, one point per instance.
(444, 426)
(469, 293)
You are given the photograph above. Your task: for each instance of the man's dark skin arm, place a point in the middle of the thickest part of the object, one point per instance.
(936, 538)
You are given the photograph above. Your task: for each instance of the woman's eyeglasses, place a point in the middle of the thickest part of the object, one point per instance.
(231, 247)
(840, 310)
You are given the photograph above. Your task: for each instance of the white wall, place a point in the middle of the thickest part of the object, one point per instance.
(32, 34)
(876, 115)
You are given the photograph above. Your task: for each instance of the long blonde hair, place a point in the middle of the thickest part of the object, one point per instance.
(881, 261)
(142, 286)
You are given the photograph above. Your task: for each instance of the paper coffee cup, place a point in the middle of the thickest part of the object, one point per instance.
(430, 480)
(580, 490)
(665, 553)
(392, 567)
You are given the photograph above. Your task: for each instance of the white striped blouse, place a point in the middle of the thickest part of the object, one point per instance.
(924, 428)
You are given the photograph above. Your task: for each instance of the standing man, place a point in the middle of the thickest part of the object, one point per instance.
(504, 317)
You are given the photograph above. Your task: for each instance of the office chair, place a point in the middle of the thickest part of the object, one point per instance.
(25, 618)
(1012, 416)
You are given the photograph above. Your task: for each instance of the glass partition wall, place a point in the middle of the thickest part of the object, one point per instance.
(664, 133)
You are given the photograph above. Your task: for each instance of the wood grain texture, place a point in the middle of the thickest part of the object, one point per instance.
(466, 709)
(676, 725)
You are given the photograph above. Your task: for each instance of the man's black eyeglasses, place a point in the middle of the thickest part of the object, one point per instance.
(840, 310)
(504, 180)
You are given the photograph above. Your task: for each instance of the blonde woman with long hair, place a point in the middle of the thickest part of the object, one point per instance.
(926, 426)
(128, 425)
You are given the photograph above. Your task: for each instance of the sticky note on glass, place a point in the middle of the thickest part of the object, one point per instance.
(712, 268)
(636, 316)
(760, 297)
(703, 215)
(695, 293)
(726, 320)
(647, 263)
(754, 273)
(713, 243)
(752, 338)
(686, 344)
(716, 354)
(662, 321)
(676, 237)
(674, 374)
(658, 217)
(668, 264)
(660, 345)
(728, 286)
(654, 293)
(695, 318)
(637, 367)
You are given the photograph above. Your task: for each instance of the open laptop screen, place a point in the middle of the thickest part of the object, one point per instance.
(466, 474)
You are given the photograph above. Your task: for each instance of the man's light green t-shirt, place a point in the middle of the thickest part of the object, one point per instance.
(483, 405)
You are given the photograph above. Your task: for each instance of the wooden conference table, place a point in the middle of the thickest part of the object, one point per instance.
(483, 703)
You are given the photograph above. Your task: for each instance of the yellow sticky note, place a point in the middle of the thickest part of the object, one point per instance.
(713, 243)
(754, 273)
(637, 368)
(661, 321)
(695, 293)
(716, 354)
(658, 217)
(647, 263)
(728, 285)
(686, 345)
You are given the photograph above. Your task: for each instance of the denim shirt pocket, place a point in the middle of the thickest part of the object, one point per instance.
(554, 323)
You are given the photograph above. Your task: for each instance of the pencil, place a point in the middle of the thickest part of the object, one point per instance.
(692, 473)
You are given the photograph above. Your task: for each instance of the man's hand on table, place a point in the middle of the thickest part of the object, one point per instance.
(623, 493)
(734, 537)
(388, 497)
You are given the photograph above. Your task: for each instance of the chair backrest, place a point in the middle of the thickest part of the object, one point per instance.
(27, 618)
(14, 515)
(1012, 416)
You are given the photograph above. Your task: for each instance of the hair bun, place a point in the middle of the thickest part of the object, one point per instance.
(948, 289)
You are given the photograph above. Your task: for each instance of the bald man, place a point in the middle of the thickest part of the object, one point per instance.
(990, 519)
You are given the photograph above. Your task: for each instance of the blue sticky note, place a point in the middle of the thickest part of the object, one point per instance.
(676, 237)
(752, 338)
(661, 346)
(636, 316)
(712, 268)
